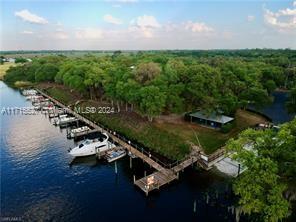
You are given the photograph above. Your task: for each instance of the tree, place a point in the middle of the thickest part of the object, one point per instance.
(152, 101)
(146, 72)
(46, 72)
(93, 79)
(271, 157)
(270, 86)
(260, 191)
(291, 103)
(20, 60)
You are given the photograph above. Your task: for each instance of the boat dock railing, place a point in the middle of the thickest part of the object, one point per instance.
(166, 172)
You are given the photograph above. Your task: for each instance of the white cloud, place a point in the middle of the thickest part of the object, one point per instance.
(112, 20)
(146, 21)
(60, 35)
(198, 27)
(294, 3)
(27, 32)
(144, 25)
(89, 33)
(284, 19)
(27, 16)
(251, 18)
(116, 6)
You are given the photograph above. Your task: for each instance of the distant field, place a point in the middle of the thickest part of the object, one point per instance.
(4, 68)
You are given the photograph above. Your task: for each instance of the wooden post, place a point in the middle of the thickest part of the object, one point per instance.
(238, 169)
(131, 162)
(115, 165)
(194, 206)
(145, 173)
(134, 179)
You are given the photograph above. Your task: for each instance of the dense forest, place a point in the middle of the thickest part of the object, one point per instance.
(157, 82)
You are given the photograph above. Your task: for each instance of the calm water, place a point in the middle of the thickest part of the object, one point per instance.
(37, 182)
(277, 110)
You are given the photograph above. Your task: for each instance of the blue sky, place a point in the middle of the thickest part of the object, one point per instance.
(136, 24)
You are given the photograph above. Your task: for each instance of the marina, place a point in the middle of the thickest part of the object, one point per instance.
(85, 181)
(163, 174)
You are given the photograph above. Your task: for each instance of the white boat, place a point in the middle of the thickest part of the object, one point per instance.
(91, 147)
(47, 108)
(65, 120)
(77, 131)
(52, 115)
(115, 155)
(29, 92)
(37, 99)
(31, 97)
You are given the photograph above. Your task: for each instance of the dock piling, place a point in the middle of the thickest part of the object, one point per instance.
(115, 165)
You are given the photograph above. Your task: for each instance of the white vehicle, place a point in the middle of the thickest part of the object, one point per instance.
(91, 147)
(77, 131)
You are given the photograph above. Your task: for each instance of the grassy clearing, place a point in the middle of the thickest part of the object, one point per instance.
(21, 84)
(4, 68)
(211, 139)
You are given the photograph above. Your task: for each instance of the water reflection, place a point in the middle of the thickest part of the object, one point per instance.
(90, 161)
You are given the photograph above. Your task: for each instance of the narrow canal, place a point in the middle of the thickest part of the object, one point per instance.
(38, 184)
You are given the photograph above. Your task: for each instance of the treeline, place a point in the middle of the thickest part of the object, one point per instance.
(169, 82)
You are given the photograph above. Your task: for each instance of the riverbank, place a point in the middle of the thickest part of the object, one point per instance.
(171, 140)
(37, 183)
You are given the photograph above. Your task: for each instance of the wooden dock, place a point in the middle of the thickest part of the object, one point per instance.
(164, 173)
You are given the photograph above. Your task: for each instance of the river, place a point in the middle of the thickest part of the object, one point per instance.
(38, 184)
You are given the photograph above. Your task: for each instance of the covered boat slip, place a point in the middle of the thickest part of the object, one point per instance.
(211, 120)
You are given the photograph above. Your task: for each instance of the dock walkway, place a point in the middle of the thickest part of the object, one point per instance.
(164, 173)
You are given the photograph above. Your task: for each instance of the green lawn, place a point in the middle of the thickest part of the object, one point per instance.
(152, 137)
(210, 139)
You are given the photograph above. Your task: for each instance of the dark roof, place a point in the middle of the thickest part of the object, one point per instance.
(212, 117)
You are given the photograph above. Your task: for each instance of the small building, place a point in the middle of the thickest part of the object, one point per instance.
(11, 60)
(212, 120)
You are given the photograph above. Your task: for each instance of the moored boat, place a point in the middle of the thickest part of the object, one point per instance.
(78, 131)
(91, 146)
(115, 155)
